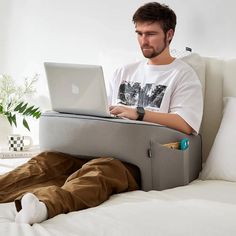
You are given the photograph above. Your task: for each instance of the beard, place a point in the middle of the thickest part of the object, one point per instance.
(151, 52)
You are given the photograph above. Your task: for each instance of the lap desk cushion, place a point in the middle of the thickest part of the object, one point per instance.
(139, 143)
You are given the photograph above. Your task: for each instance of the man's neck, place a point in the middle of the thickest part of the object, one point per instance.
(163, 59)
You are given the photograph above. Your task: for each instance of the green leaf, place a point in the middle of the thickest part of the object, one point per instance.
(22, 109)
(9, 105)
(25, 110)
(25, 123)
(28, 111)
(18, 107)
(37, 114)
(34, 110)
(9, 119)
(13, 118)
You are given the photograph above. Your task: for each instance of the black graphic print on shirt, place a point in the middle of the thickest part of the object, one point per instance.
(132, 94)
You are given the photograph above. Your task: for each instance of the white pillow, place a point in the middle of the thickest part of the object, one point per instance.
(221, 162)
(198, 64)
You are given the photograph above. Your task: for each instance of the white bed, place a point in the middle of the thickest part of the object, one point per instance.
(204, 207)
(201, 208)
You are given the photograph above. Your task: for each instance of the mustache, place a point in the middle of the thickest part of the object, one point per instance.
(146, 47)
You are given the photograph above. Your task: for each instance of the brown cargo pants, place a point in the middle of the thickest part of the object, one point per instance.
(66, 183)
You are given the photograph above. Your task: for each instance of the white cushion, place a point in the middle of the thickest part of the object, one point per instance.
(198, 64)
(221, 162)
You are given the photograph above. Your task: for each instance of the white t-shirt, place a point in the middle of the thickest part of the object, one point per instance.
(173, 88)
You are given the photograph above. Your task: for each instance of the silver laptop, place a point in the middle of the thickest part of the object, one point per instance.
(78, 89)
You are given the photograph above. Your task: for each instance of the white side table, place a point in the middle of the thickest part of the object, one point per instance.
(9, 160)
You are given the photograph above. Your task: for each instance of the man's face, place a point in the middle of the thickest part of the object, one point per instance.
(152, 39)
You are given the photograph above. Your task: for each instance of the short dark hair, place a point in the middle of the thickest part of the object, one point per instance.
(156, 12)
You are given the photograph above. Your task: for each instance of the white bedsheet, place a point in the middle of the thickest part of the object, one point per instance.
(201, 208)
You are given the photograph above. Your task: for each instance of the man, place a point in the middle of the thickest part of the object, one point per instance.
(167, 87)
(163, 90)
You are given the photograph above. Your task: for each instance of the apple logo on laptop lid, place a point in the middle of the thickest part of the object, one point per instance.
(75, 89)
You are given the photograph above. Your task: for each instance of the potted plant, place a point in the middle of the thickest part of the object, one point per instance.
(13, 100)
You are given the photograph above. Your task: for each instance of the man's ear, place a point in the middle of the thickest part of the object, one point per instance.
(170, 35)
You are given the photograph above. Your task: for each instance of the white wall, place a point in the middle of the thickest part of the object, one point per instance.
(101, 32)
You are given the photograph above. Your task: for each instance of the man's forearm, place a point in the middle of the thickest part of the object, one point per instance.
(173, 121)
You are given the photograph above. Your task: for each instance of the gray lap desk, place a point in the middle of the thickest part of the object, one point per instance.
(139, 143)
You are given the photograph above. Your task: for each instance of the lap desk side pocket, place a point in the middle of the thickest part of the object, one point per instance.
(139, 143)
